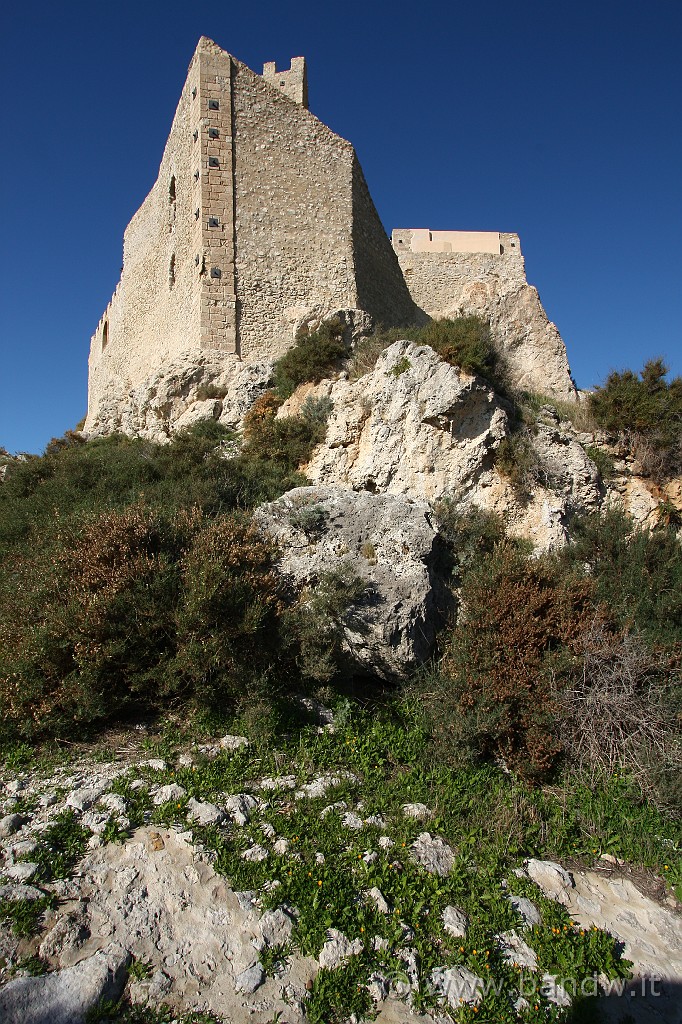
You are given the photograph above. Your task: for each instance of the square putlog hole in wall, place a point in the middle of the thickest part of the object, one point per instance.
(213, 133)
(213, 222)
(216, 272)
(213, 105)
(213, 161)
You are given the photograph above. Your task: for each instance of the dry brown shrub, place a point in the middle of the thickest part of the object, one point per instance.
(619, 713)
(263, 410)
(506, 659)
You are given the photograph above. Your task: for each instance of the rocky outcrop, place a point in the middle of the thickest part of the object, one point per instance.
(494, 287)
(417, 426)
(387, 540)
(189, 389)
(414, 425)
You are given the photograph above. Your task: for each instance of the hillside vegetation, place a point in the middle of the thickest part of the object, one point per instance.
(132, 579)
(133, 583)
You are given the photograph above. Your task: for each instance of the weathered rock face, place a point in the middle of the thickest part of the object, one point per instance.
(67, 996)
(389, 541)
(414, 425)
(417, 426)
(564, 481)
(166, 904)
(650, 935)
(192, 388)
(532, 345)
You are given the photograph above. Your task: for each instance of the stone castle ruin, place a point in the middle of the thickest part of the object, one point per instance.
(260, 220)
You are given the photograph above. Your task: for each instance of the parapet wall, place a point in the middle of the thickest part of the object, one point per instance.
(453, 273)
(438, 278)
(292, 83)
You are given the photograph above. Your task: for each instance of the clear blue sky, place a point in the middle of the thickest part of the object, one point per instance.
(558, 120)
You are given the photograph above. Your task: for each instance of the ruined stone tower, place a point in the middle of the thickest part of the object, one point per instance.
(259, 218)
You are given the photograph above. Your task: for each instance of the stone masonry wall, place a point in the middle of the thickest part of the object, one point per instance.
(156, 304)
(438, 280)
(293, 83)
(293, 199)
(381, 286)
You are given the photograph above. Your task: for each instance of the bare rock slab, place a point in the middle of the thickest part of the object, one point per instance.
(66, 996)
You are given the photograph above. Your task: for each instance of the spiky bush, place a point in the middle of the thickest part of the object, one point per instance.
(646, 411)
(512, 647)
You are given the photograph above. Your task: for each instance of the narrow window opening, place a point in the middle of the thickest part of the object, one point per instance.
(105, 335)
(171, 272)
(171, 190)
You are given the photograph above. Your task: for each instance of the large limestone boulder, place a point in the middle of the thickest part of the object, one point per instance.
(414, 425)
(389, 541)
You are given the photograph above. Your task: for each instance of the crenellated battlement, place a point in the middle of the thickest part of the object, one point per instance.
(292, 83)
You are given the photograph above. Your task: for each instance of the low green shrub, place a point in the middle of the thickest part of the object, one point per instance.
(61, 845)
(400, 367)
(602, 461)
(464, 342)
(132, 611)
(637, 573)
(23, 916)
(517, 460)
(226, 623)
(314, 356)
(511, 649)
(530, 405)
(572, 659)
(470, 534)
(315, 623)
